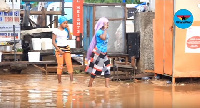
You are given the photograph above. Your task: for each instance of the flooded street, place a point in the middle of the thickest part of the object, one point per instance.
(39, 91)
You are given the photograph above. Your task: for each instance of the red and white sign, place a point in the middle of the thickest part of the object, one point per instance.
(10, 19)
(77, 17)
(6, 25)
(7, 17)
(192, 43)
(9, 35)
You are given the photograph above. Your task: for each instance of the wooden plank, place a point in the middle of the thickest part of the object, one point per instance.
(122, 63)
(11, 57)
(26, 62)
(168, 38)
(40, 12)
(41, 62)
(117, 55)
(149, 71)
(40, 68)
(113, 19)
(125, 66)
(48, 52)
(4, 63)
(158, 37)
(104, 4)
(42, 0)
(11, 53)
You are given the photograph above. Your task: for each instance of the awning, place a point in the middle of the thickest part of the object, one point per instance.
(4, 7)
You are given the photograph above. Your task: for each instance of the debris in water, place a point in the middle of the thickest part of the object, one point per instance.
(5, 70)
(169, 82)
(145, 78)
(182, 84)
(157, 77)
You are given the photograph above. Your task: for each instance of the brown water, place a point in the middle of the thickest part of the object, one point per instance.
(39, 91)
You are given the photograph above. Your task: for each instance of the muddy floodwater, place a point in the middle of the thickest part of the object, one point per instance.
(40, 91)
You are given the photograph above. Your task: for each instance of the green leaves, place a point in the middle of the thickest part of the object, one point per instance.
(19, 50)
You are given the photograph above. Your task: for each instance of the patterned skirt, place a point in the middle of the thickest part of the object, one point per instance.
(99, 64)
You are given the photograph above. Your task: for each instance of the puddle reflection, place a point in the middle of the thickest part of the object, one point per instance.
(18, 92)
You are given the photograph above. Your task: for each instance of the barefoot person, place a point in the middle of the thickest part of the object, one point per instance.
(59, 40)
(98, 61)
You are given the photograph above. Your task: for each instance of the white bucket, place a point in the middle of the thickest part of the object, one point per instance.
(49, 44)
(71, 43)
(33, 56)
(36, 42)
(0, 56)
(46, 43)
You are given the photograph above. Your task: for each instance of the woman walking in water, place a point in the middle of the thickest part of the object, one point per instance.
(98, 61)
(59, 40)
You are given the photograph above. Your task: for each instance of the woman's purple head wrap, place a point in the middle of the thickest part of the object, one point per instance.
(99, 25)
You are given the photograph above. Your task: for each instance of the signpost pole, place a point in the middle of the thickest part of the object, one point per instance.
(14, 30)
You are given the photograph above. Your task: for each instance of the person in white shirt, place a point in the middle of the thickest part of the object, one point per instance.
(59, 40)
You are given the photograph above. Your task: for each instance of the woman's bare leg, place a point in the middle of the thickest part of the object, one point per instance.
(71, 76)
(59, 78)
(107, 82)
(90, 82)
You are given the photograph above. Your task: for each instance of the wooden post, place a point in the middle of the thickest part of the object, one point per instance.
(44, 18)
(173, 80)
(88, 28)
(63, 7)
(126, 62)
(51, 18)
(46, 68)
(94, 16)
(56, 22)
(84, 61)
(81, 38)
(79, 41)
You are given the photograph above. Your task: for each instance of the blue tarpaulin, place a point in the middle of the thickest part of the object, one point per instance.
(144, 3)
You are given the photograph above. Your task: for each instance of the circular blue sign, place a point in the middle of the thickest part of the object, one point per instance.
(183, 18)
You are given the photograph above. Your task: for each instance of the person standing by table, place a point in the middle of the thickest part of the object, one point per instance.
(98, 61)
(59, 40)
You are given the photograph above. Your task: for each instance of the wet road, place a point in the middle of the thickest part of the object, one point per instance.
(39, 91)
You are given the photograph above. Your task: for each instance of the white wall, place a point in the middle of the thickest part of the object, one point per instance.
(152, 5)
